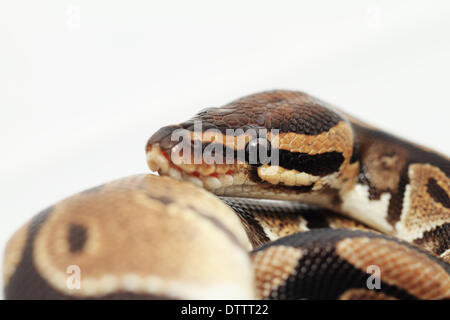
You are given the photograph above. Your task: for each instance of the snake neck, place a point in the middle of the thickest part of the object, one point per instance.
(392, 173)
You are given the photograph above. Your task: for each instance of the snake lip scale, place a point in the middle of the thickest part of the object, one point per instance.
(338, 209)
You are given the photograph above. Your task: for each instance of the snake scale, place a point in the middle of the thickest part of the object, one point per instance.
(342, 210)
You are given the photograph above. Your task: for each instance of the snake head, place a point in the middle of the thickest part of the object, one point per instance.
(276, 144)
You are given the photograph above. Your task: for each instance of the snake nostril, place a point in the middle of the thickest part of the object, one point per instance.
(163, 137)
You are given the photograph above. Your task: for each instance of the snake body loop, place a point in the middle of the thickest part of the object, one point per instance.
(337, 210)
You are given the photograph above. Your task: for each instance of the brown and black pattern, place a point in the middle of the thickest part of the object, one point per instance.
(287, 111)
(343, 153)
(317, 165)
(438, 193)
(270, 220)
(425, 218)
(385, 161)
(149, 237)
(318, 140)
(436, 240)
(332, 264)
(310, 138)
(132, 241)
(27, 283)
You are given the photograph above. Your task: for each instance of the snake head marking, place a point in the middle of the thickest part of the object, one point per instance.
(284, 142)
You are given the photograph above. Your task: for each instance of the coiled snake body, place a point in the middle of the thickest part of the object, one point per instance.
(346, 212)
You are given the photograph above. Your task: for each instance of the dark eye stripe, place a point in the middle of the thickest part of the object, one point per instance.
(317, 165)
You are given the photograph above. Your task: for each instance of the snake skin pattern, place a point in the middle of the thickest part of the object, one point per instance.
(132, 240)
(345, 212)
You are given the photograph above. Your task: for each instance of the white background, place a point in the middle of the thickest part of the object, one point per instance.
(83, 84)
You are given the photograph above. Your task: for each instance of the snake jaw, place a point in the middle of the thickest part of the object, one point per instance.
(213, 177)
(239, 179)
(236, 181)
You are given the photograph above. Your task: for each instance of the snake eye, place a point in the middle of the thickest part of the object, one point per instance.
(258, 151)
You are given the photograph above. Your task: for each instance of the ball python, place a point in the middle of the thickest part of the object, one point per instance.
(342, 210)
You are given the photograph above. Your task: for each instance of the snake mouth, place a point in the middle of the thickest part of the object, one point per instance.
(236, 180)
(216, 178)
